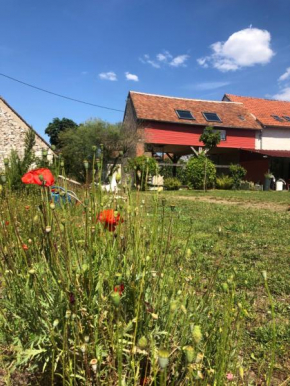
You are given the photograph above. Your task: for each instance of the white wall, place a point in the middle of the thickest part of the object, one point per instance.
(275, 139)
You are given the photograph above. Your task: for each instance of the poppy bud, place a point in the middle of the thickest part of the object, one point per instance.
(52, 206)
(83, 348)
(87, 339)
(62, 163)
(118, 178)
(142, 343)
(48, 229)
(94, 148)
(189, 353)
(116, 298)
(196, 334)
(163, 358)
(55, 323)
(68, 314)
(93, 363)
(6, 161)
(3, 178)
(86, 164)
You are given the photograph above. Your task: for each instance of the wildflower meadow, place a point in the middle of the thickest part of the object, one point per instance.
(138, 288)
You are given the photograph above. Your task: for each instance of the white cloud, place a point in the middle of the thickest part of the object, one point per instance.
(283, 95)
(146, 59)
(165, 58)
(244, 48)
(179, 61)
(108, 76)
(285, 76)
(131, 77)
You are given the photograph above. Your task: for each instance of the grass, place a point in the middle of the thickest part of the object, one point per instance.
(176, 295)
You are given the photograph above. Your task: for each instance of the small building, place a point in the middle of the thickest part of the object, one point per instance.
(13, 129)
(172, 126)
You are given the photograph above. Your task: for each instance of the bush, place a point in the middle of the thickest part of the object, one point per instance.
(167, 171)
(224, 182)
(195, 171)
(172, 183)
(237, 172)
(143, 166)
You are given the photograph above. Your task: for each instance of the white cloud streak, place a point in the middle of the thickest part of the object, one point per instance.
(165, 59)
(110, 75)
(244, 48)
(131, 77)
(283, 95)
(285, 76)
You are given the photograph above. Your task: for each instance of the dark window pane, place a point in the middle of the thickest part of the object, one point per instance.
(212, 117)
(184, 114)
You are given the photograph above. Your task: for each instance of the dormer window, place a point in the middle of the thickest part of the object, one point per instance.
(211, 117)
(184, 114)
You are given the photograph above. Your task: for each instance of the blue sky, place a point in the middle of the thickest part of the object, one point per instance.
(98, 50)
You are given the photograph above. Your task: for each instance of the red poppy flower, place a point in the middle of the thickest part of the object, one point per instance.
(119, 288)
(7, 223)
(25, 247)
(110, 218)
(40, 177)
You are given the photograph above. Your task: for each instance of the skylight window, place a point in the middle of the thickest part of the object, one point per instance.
(184, 114)
(241, 117)
(277, 118)
(212, 117)
(286, 117)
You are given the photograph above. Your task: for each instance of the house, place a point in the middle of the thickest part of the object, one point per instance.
(172, 126)
(13, 129)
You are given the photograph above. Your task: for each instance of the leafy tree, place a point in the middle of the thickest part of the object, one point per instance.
(58, 126)
(195, 172)
(76, 146)
(211, 138)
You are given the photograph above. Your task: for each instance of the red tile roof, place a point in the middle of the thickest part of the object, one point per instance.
(263, 109)
(163, 109)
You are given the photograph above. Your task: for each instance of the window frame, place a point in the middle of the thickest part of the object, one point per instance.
(188, 111)
(209, 120)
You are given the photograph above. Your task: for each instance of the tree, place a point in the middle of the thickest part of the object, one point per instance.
(58, 126)
(211, 138)
(76, 146)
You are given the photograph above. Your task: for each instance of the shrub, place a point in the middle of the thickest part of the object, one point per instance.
(172, 183)
(143, 166)
(167, 171)
(195, 172)
(237, 172)
(224, 182)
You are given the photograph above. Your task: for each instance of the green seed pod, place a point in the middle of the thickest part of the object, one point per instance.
(173, 305)
(116, 298)
(142, 343)
(86, 164)
(94, 148)
(189, 353)
(196, 334)
(188, 253)
(225, 287)
(55, 323)
(163, 358)
(68, 314)
(52, 205)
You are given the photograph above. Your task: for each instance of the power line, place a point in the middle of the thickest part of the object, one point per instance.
(59, 95)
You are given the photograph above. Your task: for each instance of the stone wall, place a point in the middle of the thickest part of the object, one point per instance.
(12, 134)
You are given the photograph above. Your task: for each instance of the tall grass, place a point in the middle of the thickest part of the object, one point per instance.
(84, 305)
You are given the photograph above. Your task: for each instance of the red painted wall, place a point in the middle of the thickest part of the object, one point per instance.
(161, 133)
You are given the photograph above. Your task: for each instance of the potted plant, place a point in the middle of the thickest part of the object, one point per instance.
(267, 182)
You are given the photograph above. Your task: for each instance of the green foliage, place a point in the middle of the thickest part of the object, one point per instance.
(224, 182)
(142, 167)
(76, 145)
(167, 171)
(195, 172)
(58, 126)
(172, 183)
(18, 166)
(237, 172)
(210, 137)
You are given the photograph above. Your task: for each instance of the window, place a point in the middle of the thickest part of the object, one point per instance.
(286, 117)
(212, 117)
(241, 117)
(223, 134)
(277, 118)
(184, 114)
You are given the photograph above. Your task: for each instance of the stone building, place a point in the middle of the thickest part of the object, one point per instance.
(13, 129)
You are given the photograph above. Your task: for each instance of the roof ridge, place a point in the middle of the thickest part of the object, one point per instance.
(263, 99)
(186, 99)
